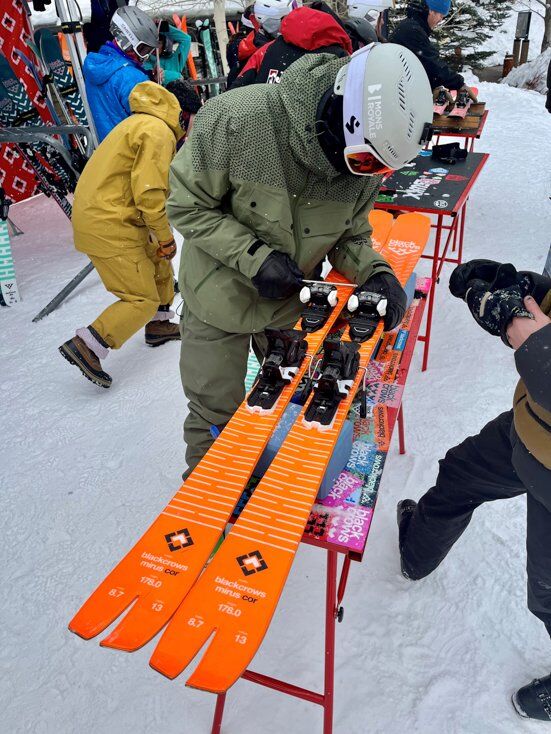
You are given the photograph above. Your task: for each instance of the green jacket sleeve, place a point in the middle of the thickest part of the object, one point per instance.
(353, 255)
(149, 178)
(199, 184)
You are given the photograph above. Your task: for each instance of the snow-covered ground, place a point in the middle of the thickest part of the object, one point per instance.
(532, 75)
(85, 470)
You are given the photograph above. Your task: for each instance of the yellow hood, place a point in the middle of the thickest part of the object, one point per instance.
(149, 98)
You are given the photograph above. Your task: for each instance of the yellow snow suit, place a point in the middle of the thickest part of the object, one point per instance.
(119, 212)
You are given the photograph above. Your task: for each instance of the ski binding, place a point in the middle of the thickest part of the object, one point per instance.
(286, 351)
(341, 361)
(321, 299)
(367, 308)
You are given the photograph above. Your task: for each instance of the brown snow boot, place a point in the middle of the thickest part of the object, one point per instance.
(77, 353)
(159, 332)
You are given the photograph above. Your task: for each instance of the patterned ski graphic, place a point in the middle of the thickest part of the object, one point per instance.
(238, 593)
(8, 283)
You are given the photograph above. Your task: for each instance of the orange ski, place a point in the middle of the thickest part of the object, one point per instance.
(237, 595)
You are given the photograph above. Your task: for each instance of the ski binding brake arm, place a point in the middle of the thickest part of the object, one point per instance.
(341, 361)
(286, 351)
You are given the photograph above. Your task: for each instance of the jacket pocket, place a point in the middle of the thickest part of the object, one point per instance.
(207, 277)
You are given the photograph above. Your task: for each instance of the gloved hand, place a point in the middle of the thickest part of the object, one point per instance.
(388, 285)
(470, 92)
(166, 250)
(495, 302)
(278, 277)
(535, 284)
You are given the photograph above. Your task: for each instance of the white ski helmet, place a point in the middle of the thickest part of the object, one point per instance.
(269, 13)
(387, 108)
(134, 31)
(368, 9)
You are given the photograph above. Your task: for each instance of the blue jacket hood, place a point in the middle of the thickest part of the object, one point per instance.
(100, 66)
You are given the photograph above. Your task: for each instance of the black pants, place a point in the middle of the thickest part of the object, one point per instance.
(492, 465)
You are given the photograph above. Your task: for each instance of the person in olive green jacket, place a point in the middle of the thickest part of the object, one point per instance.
(510, 456)
(119, 221)
(263, 191)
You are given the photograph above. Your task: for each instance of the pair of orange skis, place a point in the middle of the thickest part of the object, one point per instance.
(237, 594)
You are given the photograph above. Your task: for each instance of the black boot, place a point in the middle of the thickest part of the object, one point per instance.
(404, 511)
(534, 700)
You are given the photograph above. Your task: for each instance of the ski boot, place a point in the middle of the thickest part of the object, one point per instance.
(404, 511)
(533, 701)
(78, 354)
(160, 332)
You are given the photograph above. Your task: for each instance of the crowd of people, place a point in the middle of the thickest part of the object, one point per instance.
(270, 179)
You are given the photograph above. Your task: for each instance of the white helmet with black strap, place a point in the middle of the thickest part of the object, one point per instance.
(134, 31)
(270, 13)
(387, 108)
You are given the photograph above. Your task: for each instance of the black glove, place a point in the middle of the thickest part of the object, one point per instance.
(278, 277)
(388, 285)
(536, 285)
(495, 303)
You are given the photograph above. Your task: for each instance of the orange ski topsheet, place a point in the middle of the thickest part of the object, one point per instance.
(238, 593)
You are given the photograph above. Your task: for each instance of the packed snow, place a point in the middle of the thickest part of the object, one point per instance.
(86, 470)
(532, 75)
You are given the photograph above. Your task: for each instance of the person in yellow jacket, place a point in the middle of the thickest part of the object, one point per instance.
(119, 221)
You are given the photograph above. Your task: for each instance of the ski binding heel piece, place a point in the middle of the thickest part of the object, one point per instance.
(366, 308)
(341, 362)
(321, 299)
(286, 351)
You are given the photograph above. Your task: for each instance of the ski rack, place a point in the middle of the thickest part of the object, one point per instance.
(44, 134)
(71, 26)
(286, 351)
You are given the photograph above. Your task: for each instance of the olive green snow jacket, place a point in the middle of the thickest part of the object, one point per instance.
(252, 169)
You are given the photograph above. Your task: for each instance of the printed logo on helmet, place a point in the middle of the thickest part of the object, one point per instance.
(252, 563)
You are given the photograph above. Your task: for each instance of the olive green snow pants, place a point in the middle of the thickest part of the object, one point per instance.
(213, 366)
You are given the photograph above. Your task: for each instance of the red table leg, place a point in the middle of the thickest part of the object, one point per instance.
(435, 264)
(401, 432)
(218, 713)
(462, 232)
(330, 617)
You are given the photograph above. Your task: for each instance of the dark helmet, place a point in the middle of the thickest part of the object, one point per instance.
(361, 32)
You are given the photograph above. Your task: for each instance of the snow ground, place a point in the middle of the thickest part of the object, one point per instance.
(85, 470)
(532, 75)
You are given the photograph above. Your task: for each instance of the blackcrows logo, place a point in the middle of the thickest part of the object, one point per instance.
(178, 540)
(252, 563)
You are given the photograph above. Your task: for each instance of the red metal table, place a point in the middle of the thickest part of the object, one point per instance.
(441, 190)
(340, 523)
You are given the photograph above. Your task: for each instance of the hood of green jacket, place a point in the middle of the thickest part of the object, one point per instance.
(300, 91)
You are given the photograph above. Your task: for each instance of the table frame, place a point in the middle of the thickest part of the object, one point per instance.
(470, 136)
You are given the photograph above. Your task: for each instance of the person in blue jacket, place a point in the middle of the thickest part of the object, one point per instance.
(112, 73)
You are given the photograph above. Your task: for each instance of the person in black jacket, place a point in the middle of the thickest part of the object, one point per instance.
(304, 30)
(511, 456)
(414, 33)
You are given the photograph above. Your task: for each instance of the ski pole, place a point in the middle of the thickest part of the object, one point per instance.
(62, 295)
